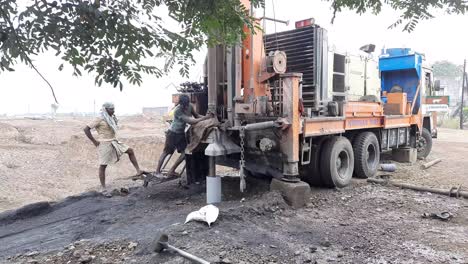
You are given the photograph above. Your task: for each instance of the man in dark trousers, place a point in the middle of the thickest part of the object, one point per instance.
(184, 114)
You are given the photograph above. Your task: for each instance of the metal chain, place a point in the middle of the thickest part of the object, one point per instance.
(242, 159)
(242, 143)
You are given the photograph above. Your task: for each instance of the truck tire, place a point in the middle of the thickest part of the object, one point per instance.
(310, 173)
(366, 155)
(337, 162)
(424, 144)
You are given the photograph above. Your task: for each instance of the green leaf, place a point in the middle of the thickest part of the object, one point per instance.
(119, 52)
(125, 59)
(150, 53)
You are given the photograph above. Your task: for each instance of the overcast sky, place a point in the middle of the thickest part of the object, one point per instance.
(442, 38)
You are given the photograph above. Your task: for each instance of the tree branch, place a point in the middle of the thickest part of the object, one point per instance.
(28, 59)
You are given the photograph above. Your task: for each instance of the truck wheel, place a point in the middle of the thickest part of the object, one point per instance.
(366, 155)
(310, 173)
(424, 144)
(337, 162)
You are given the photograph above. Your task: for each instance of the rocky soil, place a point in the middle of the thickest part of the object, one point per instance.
(363, 223)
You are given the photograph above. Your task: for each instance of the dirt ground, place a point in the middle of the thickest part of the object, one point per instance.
(362, 223)
(452, 147)
(43, 160)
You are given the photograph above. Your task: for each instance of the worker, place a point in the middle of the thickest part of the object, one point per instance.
(109, 148)
(184, 114)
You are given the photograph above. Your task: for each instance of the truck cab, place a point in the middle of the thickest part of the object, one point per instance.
(429, 108)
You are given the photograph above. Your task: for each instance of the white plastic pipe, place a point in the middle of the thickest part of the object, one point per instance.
(213, 184)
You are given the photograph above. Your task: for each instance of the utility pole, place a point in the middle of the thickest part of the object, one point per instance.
(368, 49)
(462, 95)
(365, 74)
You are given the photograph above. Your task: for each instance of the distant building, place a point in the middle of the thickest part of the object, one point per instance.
(452, 88)
(156, 111)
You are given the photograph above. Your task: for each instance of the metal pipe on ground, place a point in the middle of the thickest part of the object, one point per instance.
(390, 167)
(453, 192)
(430, 163)
(163, 243)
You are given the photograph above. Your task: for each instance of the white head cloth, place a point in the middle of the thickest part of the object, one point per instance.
(110, 120)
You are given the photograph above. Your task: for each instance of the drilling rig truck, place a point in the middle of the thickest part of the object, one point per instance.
(283, 101)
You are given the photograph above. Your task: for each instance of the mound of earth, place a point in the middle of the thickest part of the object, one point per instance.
(8, 132)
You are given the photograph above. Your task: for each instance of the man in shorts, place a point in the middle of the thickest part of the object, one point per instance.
(184, 114)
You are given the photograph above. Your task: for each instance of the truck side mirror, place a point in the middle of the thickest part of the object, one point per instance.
(437, 85)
